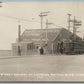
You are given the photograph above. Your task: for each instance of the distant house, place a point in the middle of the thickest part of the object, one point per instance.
(30, 40)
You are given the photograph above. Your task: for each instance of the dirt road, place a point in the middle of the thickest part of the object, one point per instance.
(42, 68)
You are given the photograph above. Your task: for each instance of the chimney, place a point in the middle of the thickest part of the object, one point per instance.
(19, 33)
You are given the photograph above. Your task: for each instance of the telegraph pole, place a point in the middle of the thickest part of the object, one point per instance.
(74, 29)
(69, 21)
(68, 25)
(42, 14)
(76, 24)
(47, 23)
(46, 30)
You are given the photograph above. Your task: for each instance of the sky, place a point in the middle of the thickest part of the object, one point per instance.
(26, 14)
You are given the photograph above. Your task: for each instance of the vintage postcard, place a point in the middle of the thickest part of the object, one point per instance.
(42, 41)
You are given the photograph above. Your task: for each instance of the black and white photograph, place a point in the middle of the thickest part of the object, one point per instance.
(42, 41)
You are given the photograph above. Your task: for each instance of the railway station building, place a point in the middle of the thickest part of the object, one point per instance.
(31, 40)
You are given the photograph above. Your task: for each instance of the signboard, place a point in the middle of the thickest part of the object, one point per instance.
(78, 21)
(76, 24)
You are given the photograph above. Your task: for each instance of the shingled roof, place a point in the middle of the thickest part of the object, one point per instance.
(35, 34)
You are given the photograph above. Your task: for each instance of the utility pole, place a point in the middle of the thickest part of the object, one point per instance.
(47, 23)
(69, 21)
(74, 29)
(46, 30)
(68, 25)
(75, 26)
(42, 14)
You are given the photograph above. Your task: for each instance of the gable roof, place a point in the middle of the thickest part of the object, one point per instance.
(35, 34)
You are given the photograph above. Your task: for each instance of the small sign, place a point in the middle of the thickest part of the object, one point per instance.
(78, 24)
(78, 21)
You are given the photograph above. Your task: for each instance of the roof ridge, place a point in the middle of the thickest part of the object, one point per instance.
(40, 29)
(43, 29)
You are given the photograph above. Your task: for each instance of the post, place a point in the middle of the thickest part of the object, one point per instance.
(47, 23)
(46, 30)
(69, 25)
(41, 26)
(69, 22)
(74, 29)
(42, 14)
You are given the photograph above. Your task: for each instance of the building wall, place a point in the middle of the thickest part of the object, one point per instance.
(50, 48)
(25, 48)
(63, 35)
(15, 49)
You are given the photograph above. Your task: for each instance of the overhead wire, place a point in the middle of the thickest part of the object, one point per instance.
(22, 19)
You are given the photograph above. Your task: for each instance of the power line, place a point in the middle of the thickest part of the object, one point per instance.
(26, 20)
(18, 19)
(58, 25)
